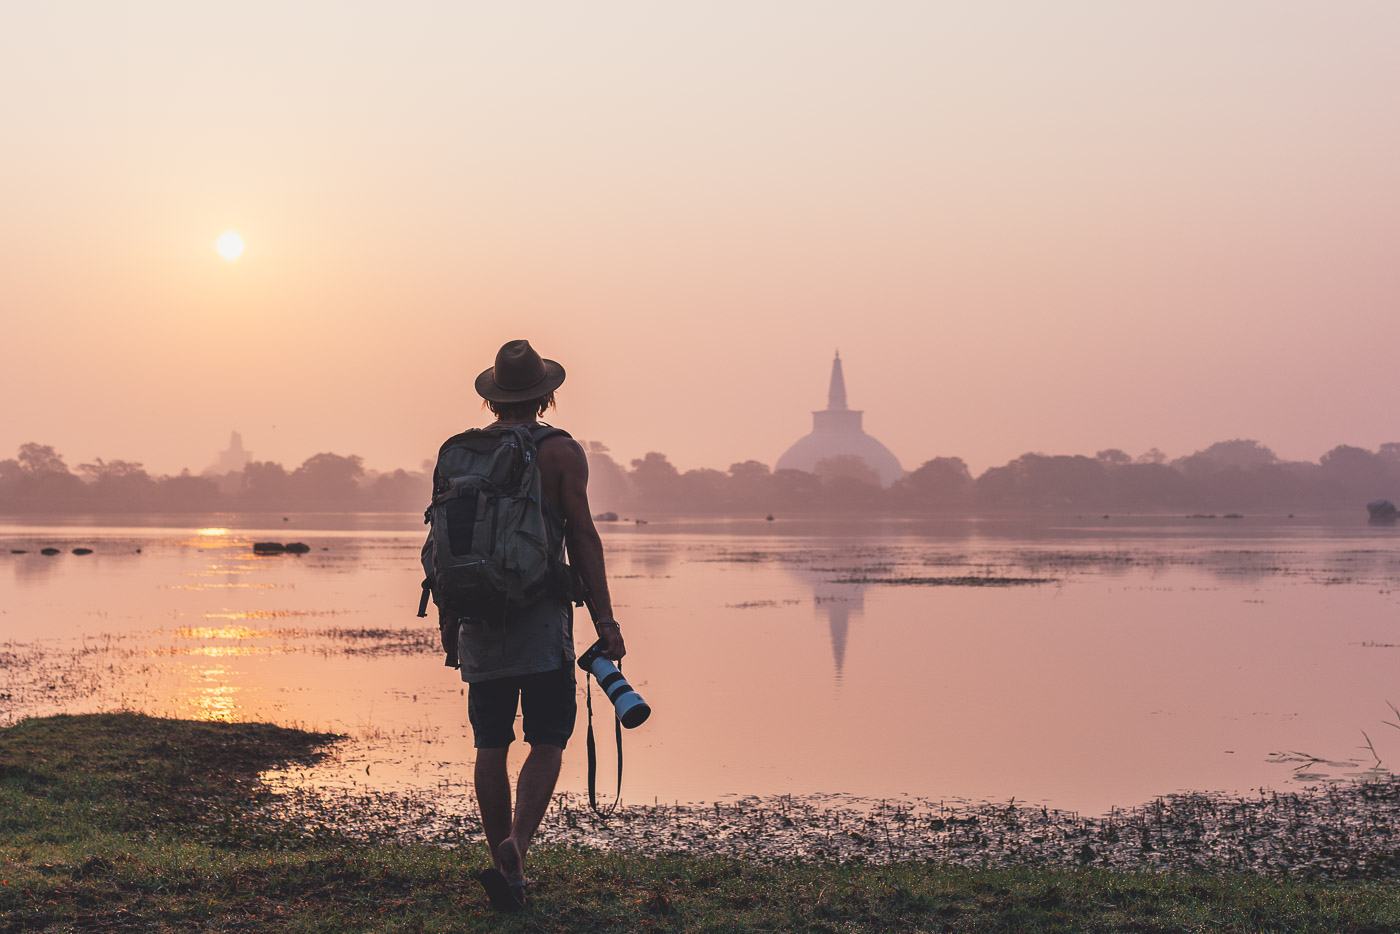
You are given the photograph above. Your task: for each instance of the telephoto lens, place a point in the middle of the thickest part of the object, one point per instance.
(631, 709)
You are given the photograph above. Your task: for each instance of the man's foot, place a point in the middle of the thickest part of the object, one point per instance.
(503, 896)
(509, 859)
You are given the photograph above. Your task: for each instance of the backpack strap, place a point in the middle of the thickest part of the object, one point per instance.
(541, 433)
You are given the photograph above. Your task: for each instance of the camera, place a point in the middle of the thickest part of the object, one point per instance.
(631, 709)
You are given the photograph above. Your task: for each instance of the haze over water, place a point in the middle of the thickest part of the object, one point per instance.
(1078, 664)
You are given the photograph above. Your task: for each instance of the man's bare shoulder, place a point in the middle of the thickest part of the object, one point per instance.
(560, 452)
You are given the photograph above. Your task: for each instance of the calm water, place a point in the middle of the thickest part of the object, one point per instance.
(1127, 659)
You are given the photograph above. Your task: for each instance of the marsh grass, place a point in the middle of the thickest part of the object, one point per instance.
(122, 822)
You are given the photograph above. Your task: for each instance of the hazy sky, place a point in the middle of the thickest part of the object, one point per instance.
(1055, 226)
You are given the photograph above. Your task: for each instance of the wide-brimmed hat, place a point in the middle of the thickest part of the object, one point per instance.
(520, 374)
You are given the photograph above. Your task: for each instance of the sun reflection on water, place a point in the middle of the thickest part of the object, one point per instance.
(214, 699)
(214, 538)
(220, 632)
(226, 651)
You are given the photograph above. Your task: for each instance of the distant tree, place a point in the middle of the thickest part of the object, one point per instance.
(11, 483)
(188, 493)
(847, 466)
(703, 489)
(1148, 485)
(38, 479)
(1356, 473)
(750, 471)
(328, 479)
(266, 485)
(1036, 480)
(398, 491)
(119, 485)
(1240, 453)
(1236, 474)
(798, 491)
(1113, 457)
(656, 481)
(940, 483)
(848, 482)
(750, 485)
(1151, 456)
(101, 470)
(608, 486)
(41, 459)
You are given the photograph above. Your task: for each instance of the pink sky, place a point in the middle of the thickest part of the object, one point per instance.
(1055, 227)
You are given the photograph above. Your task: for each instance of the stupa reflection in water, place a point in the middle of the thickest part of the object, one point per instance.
(838, 604)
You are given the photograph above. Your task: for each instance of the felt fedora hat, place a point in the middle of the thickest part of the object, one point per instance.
(520, 374)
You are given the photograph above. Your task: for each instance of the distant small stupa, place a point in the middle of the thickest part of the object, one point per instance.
(234, 459)
(837, 431)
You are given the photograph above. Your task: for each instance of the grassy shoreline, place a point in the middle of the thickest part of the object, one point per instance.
(124, 822)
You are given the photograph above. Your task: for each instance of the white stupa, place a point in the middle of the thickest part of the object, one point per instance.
(837, 430)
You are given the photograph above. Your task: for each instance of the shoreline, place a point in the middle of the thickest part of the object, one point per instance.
(1343, 830)
(122, 821)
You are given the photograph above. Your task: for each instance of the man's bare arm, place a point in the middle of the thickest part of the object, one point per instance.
(585, 545)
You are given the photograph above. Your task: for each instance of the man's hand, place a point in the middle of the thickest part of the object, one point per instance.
(611, 636)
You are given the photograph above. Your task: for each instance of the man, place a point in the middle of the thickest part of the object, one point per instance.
(529, 659)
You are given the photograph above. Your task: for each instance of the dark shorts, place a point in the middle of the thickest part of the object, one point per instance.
(547, 702)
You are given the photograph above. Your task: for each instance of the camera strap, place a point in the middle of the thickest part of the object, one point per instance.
(593, 755)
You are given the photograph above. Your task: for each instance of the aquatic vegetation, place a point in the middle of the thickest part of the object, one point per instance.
(965, 580)
(1336, 831)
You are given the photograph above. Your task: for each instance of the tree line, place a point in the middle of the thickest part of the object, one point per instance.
(1227, 476)
(39, 480)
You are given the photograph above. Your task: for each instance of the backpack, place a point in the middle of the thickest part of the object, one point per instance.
(490, 546)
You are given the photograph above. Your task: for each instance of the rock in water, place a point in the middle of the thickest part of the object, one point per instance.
(297, 548)
(268, 548)
(1382, 512)
(82, 551)
(48, 551)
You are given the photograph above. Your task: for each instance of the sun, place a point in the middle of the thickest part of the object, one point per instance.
(230, 245)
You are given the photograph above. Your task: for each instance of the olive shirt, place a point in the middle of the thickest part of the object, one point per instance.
(533, 638)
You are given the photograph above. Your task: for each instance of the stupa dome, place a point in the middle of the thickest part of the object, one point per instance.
(837, 431)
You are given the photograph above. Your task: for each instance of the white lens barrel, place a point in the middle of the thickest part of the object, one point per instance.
(630, 707)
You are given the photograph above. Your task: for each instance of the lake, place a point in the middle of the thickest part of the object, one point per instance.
(1082, 664)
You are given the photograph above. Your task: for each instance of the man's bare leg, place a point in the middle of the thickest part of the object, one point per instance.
(532, 793)
(493, 797)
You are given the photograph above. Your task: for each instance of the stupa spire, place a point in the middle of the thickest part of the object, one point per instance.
(836, 431)
(836, 395)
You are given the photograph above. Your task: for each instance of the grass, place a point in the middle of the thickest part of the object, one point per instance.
(121, 822)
